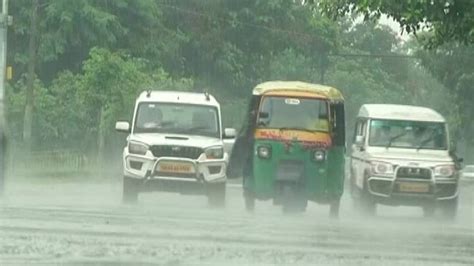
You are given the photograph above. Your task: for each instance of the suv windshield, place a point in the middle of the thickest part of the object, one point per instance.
(408, 134)
(178, 119)
(294, 113)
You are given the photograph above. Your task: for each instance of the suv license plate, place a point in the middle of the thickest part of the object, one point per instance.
(181, 168)
(414, 187)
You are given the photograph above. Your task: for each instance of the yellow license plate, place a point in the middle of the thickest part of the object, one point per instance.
(182, 168)
(414, 187)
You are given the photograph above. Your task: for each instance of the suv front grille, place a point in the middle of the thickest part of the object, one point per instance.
(176, 151)
(414, 172)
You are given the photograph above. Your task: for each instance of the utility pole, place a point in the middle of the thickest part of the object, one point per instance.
(5, 21)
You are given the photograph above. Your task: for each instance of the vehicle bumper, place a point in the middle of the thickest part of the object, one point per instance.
(388, 190)
(203, 171)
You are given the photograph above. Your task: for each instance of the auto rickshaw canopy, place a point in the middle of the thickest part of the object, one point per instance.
(298, 88)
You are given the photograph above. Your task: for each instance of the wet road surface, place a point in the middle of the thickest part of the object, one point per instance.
(80, 223)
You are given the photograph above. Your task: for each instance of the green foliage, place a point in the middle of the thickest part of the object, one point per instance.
(449, 20)
(96, 56)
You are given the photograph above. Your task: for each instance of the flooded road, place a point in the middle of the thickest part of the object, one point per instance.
(81, 222)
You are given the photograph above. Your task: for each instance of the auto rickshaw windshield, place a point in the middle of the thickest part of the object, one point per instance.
(294, 113)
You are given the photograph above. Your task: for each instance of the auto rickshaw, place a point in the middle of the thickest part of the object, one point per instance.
(291, 148)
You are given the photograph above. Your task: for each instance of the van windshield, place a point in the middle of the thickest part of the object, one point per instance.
(294, 113)
(408, 134)
(177, 118)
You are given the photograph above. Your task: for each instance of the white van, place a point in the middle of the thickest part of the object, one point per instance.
(401, 156)
(176, 144)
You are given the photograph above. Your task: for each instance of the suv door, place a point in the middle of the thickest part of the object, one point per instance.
(358, 154)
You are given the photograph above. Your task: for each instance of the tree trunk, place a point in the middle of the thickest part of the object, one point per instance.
(29, 104)
(101, 137)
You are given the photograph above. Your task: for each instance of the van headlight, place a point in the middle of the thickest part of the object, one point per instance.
(382, 168)
(137, 148)
(264, 152)
(319, 155)
(216, 152)
(444, 171)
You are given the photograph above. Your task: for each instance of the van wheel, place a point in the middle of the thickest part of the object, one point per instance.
(131, 187)
(449, 208)
(216, 195)
(249, 198)
(334, 208)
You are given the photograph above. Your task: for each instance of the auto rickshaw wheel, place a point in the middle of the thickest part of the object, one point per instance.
(249, 198)
(293, 200)
(334, 208)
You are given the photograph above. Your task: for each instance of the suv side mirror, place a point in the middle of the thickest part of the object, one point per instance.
(122, 126)
(230, 133)
(359, 141)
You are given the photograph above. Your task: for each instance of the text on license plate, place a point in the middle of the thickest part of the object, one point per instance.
(414, 187)
(176, 168)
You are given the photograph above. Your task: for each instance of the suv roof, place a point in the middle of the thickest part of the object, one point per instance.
(178, 97)
(400, 112)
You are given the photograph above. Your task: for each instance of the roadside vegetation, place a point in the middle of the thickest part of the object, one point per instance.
(78, 65)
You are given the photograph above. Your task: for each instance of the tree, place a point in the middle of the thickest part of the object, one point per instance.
(448, 20)
(452, 65)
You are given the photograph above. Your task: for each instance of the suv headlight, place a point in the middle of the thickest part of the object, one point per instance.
(216, 152)
(137, 148)
(444, 171)
(381, 168)
(264, 152)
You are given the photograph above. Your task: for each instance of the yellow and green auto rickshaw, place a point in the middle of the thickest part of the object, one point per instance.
(292, 145)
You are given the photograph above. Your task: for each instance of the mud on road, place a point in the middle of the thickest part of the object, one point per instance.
(85, 223)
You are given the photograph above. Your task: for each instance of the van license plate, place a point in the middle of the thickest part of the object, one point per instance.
(414, 187)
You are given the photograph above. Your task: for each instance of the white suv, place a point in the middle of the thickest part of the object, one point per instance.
(402, 156)
(175, 144)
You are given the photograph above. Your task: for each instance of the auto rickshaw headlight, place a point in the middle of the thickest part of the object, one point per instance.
(264, 152)
(319, 155)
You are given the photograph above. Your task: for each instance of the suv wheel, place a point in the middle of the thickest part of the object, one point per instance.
(216, 194)
(429, 209)
(364, 202)
(449, 208)
(131, 187)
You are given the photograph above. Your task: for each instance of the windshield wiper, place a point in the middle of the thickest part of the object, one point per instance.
(424, 142)
(394, 138)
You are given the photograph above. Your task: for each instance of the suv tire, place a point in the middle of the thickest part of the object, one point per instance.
(131, 187)
(449, 208)
(216, 194)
